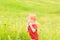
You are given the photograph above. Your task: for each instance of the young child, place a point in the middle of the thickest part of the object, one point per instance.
(32, 27)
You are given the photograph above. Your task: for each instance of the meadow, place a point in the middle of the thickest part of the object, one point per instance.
(14, 18)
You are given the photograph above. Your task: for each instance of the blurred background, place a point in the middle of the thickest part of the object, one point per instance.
(14, 17)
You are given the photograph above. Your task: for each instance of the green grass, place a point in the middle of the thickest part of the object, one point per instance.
(14, 17)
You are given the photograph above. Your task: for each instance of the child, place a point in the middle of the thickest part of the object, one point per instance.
(32, 27)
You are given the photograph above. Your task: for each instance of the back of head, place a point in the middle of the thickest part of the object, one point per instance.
(32, 18)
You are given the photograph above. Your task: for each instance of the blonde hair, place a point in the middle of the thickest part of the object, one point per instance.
(31, 17)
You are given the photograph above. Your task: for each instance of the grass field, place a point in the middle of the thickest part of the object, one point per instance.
(14, 17)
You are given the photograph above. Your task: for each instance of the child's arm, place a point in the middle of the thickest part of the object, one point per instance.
(27, 28)
(33, 29)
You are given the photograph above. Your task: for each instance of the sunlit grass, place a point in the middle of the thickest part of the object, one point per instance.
(14, 17)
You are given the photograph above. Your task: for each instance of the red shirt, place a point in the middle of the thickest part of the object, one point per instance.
(34, 35)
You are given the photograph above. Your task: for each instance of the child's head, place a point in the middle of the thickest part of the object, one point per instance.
(32, 18)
